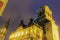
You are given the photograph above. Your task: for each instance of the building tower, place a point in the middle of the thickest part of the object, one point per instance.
(3, 4)
(47, 22)
(42, 28)
(3, 30)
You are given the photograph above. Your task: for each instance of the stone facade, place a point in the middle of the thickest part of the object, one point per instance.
(42, 28)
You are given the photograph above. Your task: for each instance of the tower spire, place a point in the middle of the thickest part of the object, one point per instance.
(7, 24)
(3, 30)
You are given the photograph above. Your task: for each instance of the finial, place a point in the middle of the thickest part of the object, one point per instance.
(22, 23)
(31, 21)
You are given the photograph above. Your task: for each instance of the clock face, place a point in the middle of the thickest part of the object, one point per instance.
(1, 4)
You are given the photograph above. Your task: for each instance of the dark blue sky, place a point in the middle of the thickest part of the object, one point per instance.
(26, 9)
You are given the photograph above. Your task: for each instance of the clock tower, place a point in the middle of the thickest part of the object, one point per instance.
(47, 22)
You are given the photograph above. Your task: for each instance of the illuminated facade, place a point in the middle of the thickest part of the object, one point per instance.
(59, 33)
(3, 31)
(42, 28)
(50, 28)
(30, 33)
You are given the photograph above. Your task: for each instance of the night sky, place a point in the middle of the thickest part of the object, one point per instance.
(26, 9)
